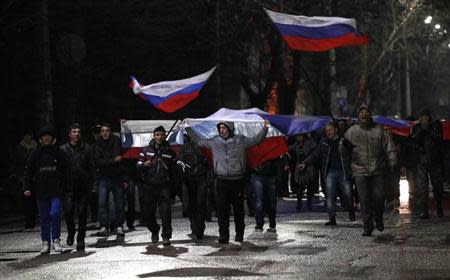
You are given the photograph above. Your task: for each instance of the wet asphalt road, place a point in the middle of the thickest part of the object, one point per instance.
(302, 248)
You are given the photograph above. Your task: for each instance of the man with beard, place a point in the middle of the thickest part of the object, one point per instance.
(372, 152)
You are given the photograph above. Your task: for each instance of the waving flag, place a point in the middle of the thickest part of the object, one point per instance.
(248, 123)
(317, 34)
(170, 96)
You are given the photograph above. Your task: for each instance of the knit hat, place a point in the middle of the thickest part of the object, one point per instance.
(364, 107)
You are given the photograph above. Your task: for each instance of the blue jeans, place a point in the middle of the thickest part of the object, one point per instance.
(265, 197)
(336, 179)
(50, 212)
(112, 185)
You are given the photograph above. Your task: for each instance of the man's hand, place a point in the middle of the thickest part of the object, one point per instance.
(147, 163)
(266, 123)
(118, 159)
(301, 166)
(27, 193)
(286, 167)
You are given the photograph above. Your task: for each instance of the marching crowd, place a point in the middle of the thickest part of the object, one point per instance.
(359, 164)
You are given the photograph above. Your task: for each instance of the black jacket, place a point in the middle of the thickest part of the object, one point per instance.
(321, 155)
(299, 152)
(44, 172)
(162, 169)
(192, 155)
(104, 153)
(79, 166)
(428, 143)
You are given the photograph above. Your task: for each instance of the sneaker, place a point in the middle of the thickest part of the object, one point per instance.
(272, 224)
(166, 241)
(120, 232)
(367, 233)
(45, 248)
(102, 232)
(57, 245)
(380, 227)
(259, 228)
(80, 246)
(70, 239)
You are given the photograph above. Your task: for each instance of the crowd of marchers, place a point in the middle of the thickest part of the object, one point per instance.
(361, 165)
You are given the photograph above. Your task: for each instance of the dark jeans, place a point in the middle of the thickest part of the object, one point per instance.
(157, 196)
(195, 203)
(264, 197)
(423, 176)
(76, 202)
(371, 199)
(105, 186)
(93, 206)
(30, 210)
(336, 180)
(130, 194)
(50, 213)
(230, 192)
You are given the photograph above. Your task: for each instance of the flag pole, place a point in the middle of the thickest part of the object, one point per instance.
(171, 129)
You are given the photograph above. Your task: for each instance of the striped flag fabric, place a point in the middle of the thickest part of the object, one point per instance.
(317, 34)
(169, 96)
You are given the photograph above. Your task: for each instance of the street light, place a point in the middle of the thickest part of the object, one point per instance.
(428, 20)
(437, 26)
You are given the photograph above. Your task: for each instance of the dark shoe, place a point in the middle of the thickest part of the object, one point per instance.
(80, 246)
(380, 227)
(166, 241)
(259, 228)
(352, 216)
(155, 237)
(272, 224)
(367, 233)
(224, 240)
(70, 239)
(424, 215)
(332, 221)
(239, 237)
(439, 211)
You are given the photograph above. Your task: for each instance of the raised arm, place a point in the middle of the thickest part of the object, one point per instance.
(205, 143)
(252, 141)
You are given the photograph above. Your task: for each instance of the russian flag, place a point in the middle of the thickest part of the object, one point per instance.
(317, 34)
(170, 96)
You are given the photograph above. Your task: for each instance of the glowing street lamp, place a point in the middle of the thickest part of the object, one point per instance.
(428, 20)
(437, 26)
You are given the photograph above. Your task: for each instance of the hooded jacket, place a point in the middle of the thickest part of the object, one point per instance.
(428, 142)
(372, 149)
(229, 154)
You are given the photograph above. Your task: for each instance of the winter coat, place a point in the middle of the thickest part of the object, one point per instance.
(44, 172)
(428, 143)
(299, 152)
(79, 166)
(104, 153)
(321, 155)
(192, 155)
(162, 169)
(229, 154)
(372, 149)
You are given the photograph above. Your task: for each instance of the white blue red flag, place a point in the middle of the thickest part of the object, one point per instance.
(317, 34)
(169, 96)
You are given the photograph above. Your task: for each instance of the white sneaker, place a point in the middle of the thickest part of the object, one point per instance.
(120, 232)
(45, 248)
(103, 232)
(57, 245)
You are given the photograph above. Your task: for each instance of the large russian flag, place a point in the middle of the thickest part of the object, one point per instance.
(169, 96)
(317, 34)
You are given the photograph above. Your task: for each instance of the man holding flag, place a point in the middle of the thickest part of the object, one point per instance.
(229, 160)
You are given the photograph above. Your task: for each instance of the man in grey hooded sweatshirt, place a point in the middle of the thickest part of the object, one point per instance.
(229, 160)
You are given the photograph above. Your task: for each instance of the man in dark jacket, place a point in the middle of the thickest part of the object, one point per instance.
(79, 180)
(19, 161)
(43, 177)
(156, 166)
(428, 141)
(194, 167)
(229, 163)
(110, 179)
(335, 168)
(373, 154)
